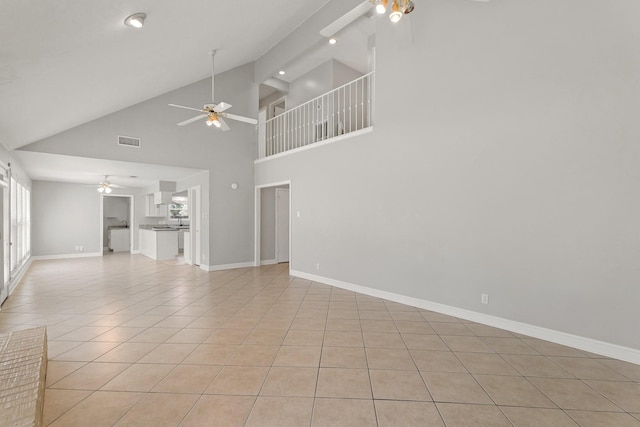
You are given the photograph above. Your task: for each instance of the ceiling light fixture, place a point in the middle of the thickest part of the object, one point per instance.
(213, 120)
(381, 6)
(105, 186)
(395, 15)
(281, 72)
(407, 6)
(136, 20)
(396, 11)
(332, 40)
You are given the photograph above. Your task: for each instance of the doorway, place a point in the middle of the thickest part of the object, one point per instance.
(273, 224)
(116, 225)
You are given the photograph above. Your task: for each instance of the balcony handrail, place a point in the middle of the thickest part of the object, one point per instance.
(340, 111)
(362, 77)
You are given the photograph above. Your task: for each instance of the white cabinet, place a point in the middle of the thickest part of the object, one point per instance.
(153, 210)
(180, 240)
(159, 245)
(119, 240)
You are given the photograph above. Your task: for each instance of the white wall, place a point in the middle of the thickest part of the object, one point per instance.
(64, 216)
(503, 161)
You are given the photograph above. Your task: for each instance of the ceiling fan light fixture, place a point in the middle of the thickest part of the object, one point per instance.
(136, 20)
(408, 7)
(101, 189)
(213, 120)
(381, 7)
(396, 14)
(107, 190)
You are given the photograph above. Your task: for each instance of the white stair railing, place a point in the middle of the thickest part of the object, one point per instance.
(345, 109)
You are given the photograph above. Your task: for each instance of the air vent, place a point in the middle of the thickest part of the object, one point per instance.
(129, 141)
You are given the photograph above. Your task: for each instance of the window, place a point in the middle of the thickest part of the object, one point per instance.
(179, 210)
(20, 224)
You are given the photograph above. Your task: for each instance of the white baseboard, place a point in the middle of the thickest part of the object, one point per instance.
(226, 266)
(587, 344)
(135, 251)
(63, 256)
(268, 261)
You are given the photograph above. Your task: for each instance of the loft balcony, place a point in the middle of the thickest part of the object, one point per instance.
(342, 112)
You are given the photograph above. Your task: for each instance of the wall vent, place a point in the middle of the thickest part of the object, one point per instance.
(129, 141)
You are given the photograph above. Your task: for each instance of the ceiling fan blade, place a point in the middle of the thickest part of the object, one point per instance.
(186, 108)
(221, 107)
(193, 119)
(240, 118)
(223, 125)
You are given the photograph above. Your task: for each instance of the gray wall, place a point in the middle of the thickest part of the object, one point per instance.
(343, 74)
(64, 216)
(313, 84)
(322, 79)
(228, 156)
(503, 161)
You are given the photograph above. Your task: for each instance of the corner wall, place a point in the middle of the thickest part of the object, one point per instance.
(503, 161)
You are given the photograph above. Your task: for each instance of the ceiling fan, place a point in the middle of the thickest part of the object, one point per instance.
(215, 113)
(106, 187)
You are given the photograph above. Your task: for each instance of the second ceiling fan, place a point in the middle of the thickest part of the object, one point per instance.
(215, 113)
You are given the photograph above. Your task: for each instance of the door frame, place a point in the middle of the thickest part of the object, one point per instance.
(5, 234)
(195, 227)
(277, 216)
(131, 219)
(258, 214)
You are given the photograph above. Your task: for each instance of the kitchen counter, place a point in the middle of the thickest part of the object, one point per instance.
(159, 244)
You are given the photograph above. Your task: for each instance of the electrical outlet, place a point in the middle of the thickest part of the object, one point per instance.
(81, 248)
(484, 298)
(318, 266)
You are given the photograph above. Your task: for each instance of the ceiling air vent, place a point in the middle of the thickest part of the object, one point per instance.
(129, 141)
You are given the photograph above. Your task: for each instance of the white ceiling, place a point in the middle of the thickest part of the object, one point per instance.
(83, 170)
(66, 62)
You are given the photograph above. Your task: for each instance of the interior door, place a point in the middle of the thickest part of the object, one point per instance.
(282, 224)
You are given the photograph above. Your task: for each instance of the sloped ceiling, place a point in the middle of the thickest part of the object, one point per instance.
(64, 63)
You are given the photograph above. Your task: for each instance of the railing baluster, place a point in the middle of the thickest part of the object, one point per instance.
(324, 117)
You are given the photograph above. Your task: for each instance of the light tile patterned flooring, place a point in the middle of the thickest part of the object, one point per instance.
(133, 342)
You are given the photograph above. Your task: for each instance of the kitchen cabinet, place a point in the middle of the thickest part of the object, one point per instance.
(153, 210)
(159, 245)
(119, 240)
(162, 197)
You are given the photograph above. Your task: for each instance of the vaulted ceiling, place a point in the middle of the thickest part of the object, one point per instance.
(66, 62)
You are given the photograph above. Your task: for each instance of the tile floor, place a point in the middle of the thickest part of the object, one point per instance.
(133, 342)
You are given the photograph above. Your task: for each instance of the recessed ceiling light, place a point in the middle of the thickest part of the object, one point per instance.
(281, 72)
(136, 20)
(332, 40)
